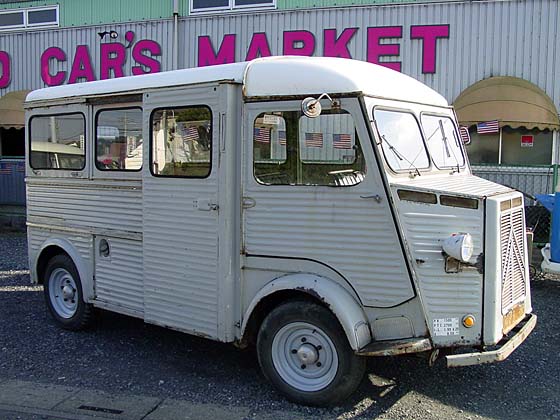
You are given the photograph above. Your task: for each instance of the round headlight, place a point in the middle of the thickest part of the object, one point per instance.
(459, 246)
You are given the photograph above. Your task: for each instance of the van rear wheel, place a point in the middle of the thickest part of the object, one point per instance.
(64, 294)
(304, 352)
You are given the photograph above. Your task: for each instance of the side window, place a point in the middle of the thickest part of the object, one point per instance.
(118, 140)
(292, 149)
(182, 142)
(58, 142)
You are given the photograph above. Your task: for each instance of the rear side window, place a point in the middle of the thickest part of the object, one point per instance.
(118, 140)
(182, 142)
(58, 142)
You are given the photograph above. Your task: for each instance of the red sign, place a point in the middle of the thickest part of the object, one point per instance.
(527, 141)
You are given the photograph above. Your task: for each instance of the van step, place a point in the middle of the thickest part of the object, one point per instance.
(394, 347)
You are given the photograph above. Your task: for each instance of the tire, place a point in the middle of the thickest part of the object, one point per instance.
(64, 295)
(304, 352)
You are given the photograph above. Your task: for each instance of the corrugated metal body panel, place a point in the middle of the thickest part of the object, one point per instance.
(465, 184)
(180, 241)
(26, 49)
(12, 182)
(513, 38)
(118, 277)
(97, 205)
(443, 295)
(334, 226)
(82, 243)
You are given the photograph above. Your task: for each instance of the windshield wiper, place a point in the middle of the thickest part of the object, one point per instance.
(444, 138)
(400, 157)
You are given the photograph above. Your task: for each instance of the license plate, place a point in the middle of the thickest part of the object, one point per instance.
(512, 318)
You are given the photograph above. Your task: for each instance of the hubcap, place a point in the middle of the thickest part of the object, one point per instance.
(304, 356)
(63, 293)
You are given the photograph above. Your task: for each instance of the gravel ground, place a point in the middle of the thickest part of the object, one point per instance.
(124, 355)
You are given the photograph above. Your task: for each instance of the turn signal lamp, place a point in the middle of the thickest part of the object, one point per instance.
(459, 246)
(468, 321)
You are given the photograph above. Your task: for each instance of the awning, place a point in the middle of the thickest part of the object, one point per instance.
(12, 114)
(513, 102)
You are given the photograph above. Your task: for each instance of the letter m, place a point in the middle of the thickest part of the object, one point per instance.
(208, 57)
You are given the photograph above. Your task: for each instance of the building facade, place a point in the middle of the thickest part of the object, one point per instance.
(496, 59)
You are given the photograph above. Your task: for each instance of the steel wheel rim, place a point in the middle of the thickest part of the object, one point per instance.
(300, 344)
(63, 293)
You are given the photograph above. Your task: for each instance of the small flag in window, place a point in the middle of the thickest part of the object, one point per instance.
(282, 137)
(342, 141)
(190, 134)
(5, 170)
(488, 127)
(313, 139)
(262, 135)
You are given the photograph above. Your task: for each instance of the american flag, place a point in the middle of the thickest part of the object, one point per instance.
(262, 135)
(190, 134)
(488, 127)
(342, 141)
(5, 170)
(464, 132)
(313, 139)
(282, 137)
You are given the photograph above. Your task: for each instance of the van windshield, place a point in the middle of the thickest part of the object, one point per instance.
(443, 141)
(401, 140)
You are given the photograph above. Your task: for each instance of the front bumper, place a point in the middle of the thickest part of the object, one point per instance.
(522, 331)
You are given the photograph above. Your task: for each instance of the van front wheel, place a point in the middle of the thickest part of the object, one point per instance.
(304, 352)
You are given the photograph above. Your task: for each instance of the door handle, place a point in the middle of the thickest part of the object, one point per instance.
(204, 204)
(248, 202)
(376, 197)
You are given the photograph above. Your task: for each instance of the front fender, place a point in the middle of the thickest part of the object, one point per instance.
(83, 268)
(343, 305)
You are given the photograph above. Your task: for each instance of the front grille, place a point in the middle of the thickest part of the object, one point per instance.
(514, 260)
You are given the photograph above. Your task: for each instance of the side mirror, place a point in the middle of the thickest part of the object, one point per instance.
(465, 135)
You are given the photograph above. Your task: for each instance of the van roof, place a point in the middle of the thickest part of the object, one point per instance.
(266, 77)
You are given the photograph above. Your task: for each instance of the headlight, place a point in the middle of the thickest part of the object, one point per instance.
(459, 246)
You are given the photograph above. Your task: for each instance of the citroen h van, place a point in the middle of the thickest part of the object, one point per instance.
(321, 209)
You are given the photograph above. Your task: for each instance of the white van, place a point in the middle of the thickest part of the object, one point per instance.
(320, 208)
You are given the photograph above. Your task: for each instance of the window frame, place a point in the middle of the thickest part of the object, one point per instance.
(151, 140)
(231, 7)
(83, 114)
(382, 149)
(285, 107)
(25, 13)
(455, 127)
(95, 122)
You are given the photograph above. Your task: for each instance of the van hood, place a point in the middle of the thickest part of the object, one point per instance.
(466, 185)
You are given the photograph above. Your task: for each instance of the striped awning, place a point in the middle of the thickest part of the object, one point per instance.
(12, 114)
(512, 101)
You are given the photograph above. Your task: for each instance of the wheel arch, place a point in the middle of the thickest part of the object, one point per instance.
(314, 288)
(57, 246)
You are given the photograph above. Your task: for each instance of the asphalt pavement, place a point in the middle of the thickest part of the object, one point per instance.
(125, 369)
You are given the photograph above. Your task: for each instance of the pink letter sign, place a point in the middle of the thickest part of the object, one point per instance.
(337, 47)
(299, 43)
(52, 53)
(6, 70)
(375, 49)
(113, 56)
(207, 56)
(258, 47)
(429, 35)
(138, 54)
(81, 67)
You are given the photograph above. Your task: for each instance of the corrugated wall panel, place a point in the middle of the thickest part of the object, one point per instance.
(513, 38)
(26, 49)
